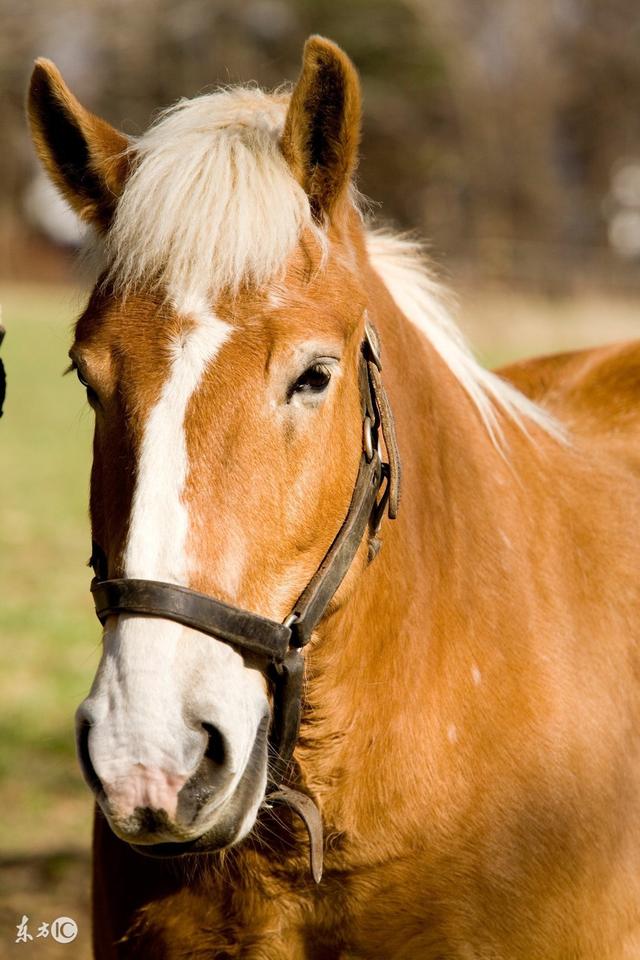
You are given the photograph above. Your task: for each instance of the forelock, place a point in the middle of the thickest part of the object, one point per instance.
(211, 204)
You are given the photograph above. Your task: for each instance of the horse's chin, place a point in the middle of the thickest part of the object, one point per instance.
(227, 831)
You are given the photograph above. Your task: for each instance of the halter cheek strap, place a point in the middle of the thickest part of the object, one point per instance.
(279, 645)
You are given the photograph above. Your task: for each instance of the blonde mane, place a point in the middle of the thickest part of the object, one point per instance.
(402, 266)
(212, 203)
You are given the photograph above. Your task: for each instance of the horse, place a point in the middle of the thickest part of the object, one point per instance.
(461, 710)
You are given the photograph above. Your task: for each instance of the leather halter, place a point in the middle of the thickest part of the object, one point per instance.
(279, 645)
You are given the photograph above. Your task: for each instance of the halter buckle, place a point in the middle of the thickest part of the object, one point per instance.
(367, 438)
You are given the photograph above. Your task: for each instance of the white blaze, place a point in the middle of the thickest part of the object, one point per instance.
(158, 682)
(158, 524)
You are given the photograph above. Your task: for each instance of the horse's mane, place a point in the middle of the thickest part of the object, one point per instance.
(211, 200)
(211, 203)
(406, 274)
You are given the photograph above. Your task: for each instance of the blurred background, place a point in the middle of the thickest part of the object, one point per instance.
(506, 132)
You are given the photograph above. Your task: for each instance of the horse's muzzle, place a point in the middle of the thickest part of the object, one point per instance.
(165, 814)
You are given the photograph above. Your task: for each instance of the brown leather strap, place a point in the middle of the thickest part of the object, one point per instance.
(308, 812)
(314, 599)
(288, 681)
(388, 428)
(153, 598)
(385, 418)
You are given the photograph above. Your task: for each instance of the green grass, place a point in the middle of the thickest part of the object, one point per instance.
(49, 638)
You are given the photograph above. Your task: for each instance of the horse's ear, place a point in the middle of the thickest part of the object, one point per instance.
(322, 128)
(85, 157)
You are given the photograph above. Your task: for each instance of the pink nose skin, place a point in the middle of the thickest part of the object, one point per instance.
(145, 787)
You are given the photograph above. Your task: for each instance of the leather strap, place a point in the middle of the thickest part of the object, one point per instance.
(314, 599)
(288, 681)
(388, 428)
(241, 628)
(310, 816)
(153, 598)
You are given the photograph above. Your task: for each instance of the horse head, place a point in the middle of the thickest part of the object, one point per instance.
(221, 354)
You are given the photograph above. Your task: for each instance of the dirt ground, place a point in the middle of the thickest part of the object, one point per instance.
(43, 887)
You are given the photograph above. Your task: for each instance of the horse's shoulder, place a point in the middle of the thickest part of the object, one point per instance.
(598, 385)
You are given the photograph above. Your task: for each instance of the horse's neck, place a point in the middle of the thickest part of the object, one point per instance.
(378, 675)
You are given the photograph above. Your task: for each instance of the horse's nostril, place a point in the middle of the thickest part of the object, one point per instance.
(215, 747)
(84, 756)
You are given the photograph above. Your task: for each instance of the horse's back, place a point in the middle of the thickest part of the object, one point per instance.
(594, 392)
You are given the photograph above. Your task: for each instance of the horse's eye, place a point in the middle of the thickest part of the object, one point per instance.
(92, 396)
(315, 379)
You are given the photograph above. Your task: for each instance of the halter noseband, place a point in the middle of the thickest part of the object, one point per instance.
(279, 645)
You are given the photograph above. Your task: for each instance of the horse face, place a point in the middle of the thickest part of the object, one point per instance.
(226, 446)
(220, 354)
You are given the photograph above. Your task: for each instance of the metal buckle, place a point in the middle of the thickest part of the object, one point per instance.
(290, 622)
(367, 438)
